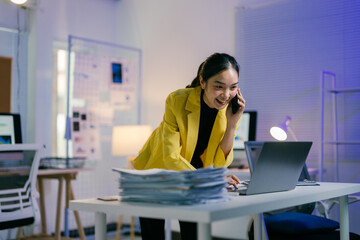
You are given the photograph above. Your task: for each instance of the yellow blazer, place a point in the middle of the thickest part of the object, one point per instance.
(172, 144)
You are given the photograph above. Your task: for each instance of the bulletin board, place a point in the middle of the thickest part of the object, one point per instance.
(5, 90)
(103, 91)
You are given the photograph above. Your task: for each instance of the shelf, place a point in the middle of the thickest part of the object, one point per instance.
(20, 147)
(343, 90)
(342, 142)
(333, 90)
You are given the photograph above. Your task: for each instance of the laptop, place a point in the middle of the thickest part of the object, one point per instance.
(275, 166)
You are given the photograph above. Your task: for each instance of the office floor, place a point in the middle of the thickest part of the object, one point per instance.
(175, 236)
(123, 237)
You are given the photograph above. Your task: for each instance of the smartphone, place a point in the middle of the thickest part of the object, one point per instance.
(235, 106)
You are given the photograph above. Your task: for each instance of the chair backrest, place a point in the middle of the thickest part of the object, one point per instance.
(19, 164)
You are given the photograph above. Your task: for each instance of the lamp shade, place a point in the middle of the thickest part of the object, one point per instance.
(128, 140)
(280, 131)
(19, 2)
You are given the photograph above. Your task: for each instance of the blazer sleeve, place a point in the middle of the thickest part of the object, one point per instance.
(171, 139)
(220, 160)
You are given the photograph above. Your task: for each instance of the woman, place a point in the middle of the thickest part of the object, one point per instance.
(197, 131)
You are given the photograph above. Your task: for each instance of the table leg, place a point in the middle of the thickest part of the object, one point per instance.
(66, 212)
(132, 228)
(58, 211)
(344, 218)
(257, 226)
(19, 232)
(118, 228)
(167, 229)
(204, 231)
(42, 205)
(100, 226)
(76, 213)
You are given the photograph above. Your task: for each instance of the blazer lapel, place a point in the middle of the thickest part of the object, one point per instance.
(215, 137)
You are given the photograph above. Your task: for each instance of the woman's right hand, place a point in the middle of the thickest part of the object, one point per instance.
(233, 180)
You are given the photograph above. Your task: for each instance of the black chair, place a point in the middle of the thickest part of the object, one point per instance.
(18, 174)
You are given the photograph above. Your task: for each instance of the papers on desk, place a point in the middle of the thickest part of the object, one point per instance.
(173, 187)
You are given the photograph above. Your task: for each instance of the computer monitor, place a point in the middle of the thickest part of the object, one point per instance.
(246, 130)
(10, 128)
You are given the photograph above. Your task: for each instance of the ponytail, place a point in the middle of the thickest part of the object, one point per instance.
(196, 81)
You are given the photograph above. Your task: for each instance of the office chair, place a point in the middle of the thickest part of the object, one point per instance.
(18, 171)
(296, 223)
(300, 226)
(323, 208)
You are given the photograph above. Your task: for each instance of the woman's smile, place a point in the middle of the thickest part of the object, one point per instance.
(221, 102)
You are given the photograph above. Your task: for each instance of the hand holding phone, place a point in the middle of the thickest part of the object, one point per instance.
(235, 106)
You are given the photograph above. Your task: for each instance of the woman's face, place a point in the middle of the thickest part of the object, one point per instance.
(220, 88)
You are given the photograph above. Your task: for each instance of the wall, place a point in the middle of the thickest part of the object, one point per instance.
(283, 49)
(175, 39)
(175, 36)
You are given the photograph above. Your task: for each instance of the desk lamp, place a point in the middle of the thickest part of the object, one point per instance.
(280, 131)
(128, 140)
(19, 2)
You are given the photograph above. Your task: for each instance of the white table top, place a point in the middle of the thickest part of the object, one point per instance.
(237, 206)
(64, 171)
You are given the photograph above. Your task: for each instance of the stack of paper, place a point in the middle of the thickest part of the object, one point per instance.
(173, 187)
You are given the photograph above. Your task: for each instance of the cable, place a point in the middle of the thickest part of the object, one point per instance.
(18, 61)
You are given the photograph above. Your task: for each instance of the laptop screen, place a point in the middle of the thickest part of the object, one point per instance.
(253, 150)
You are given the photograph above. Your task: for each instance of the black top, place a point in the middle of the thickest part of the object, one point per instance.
(207, 119)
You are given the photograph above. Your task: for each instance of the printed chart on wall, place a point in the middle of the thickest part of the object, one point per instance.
(105, 93)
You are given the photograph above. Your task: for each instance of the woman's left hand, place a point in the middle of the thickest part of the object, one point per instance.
(227, 142)
(234, 118)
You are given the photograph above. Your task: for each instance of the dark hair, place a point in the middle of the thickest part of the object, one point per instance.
(213, 65)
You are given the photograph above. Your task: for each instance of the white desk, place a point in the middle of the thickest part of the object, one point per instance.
(204, 214)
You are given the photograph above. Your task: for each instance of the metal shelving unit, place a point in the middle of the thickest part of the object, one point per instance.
(335, 142)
